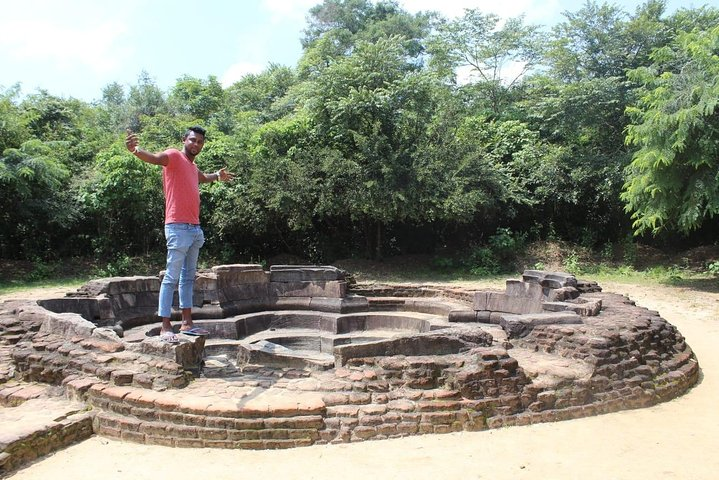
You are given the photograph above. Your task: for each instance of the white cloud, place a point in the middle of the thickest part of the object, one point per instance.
(448, 8)
(511, 70)
(288, 10)
(535, 10)
(236, 71)
(66, 46)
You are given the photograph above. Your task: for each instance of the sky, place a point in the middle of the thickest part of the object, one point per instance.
(74, 48)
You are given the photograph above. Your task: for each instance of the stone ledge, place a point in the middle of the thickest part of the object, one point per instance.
(520, 325)
(305, 273)
(39, 427)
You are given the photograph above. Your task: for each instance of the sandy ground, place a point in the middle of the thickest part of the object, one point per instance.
(678, 439)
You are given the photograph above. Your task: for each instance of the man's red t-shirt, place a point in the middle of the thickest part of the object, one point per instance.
(181, 184)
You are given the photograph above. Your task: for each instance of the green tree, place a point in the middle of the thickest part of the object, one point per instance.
(265, 93)
(145, 99)
(113, 109)
(587, 115)
(124, 198)
(580, 105)
(222, 151)
(364, 20)
(52, 118)
(13, 124)
(34, 207)
(284, 178)
(672, 181)
(164, 130)
(195, 97)
(348, 15)
(497, 57)
(486, 171)
(336, 26)
(590, 43)
(370, 108)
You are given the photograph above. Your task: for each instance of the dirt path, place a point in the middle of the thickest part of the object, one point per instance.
(677, 439)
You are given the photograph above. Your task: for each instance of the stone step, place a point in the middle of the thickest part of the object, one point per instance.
(14, 330)
(11, 339)
(549, 370)
(14, 393)
(51, 361)
(220, 433)
(7, 372)
(432, 306)
(39, 426)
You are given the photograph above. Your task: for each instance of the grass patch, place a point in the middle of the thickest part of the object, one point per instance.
(665, 275)
(69, 273)
(409, 269)
(12, 286)
(687, 270)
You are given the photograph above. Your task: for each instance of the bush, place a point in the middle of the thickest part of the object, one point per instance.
(713, 268)
(41, 270)
(120, 265)
(572, 264)
(483, 262)
(498, 255)
(443, 263)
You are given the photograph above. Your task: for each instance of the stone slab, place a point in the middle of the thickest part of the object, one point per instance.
(242, 277)
(238, 267)
(518, 326)
(289, 303)
(587, 308)
(67, 324)
(550, 279)
(118, 285)
(462, 316)
(500, 302)
(562, 294)
(519, 288)
(305, 273)
(241, 291)
(333, 289)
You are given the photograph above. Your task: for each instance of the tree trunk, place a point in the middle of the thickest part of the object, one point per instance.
(378, 239)
(368, 238)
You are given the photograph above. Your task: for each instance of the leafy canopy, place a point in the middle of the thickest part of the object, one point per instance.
(673, 180)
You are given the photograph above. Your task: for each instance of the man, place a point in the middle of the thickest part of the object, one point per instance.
(184, 236)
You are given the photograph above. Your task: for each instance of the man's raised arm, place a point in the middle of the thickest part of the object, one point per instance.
(131, 143)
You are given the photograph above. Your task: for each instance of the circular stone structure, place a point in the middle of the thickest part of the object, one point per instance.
(296, 357)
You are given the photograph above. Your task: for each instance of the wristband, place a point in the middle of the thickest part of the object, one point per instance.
(136, 150)
(218, 175)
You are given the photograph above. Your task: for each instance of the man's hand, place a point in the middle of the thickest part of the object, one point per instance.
(224, 176)
(131, 141)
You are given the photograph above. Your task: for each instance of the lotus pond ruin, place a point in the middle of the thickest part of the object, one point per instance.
(298, 355)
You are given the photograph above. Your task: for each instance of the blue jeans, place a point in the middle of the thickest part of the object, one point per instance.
(183, 247)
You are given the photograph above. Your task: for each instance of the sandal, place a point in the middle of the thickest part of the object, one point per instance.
(169, 337)
(195, 331)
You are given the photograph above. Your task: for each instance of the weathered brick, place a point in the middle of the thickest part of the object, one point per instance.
(132, 436)
(307, 422)
(364, 432)
(182, 431)
(343, 411)
(437, 418)
(211, 434)
(366, 420)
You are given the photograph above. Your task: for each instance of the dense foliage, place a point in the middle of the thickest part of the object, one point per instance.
(395, 133)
